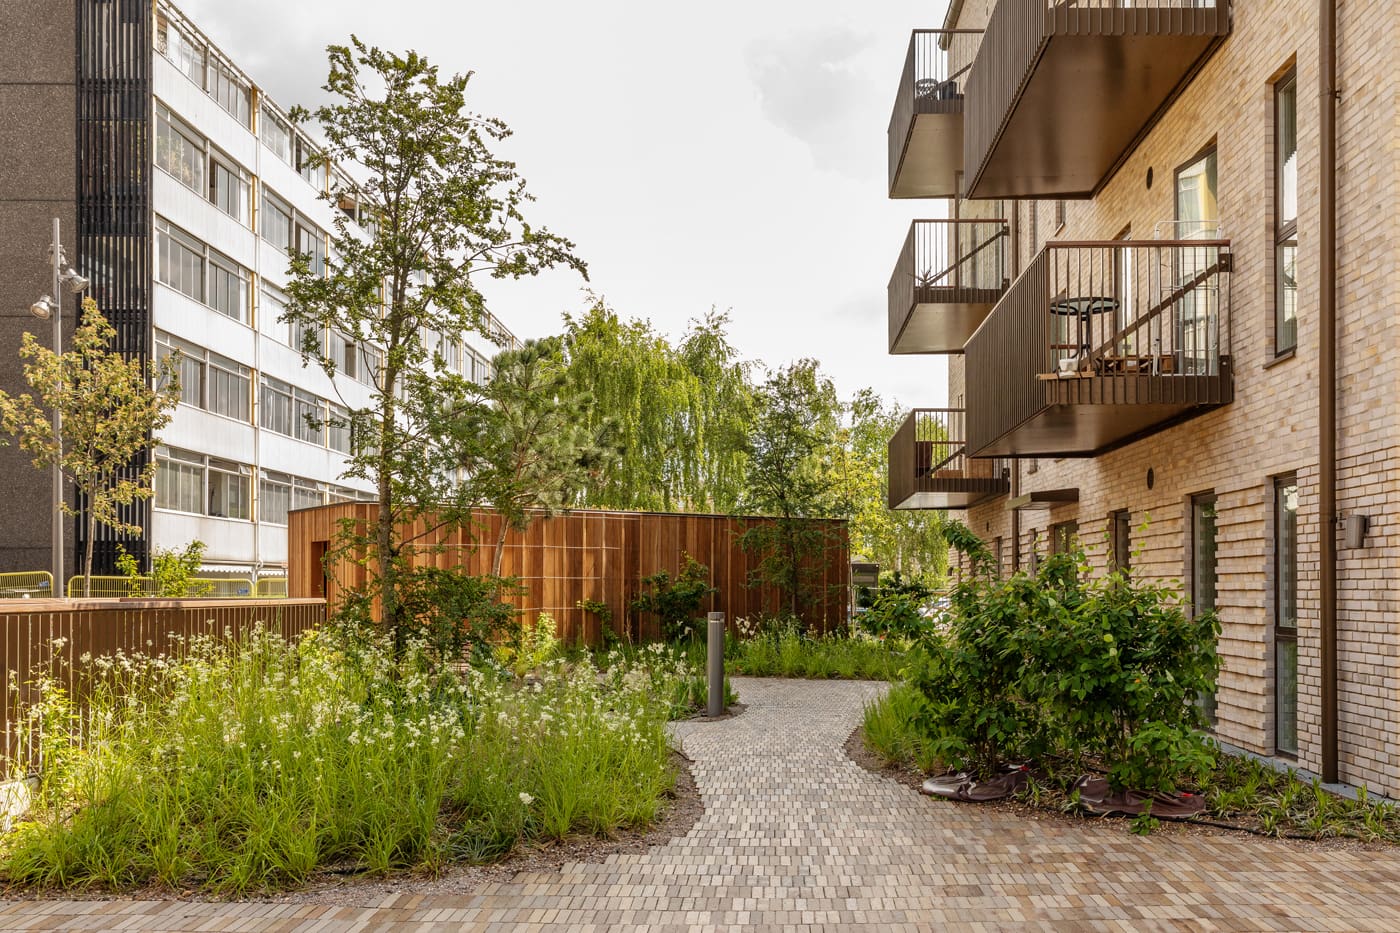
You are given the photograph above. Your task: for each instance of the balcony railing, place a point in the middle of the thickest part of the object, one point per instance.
(1062, 89)
(925, 134)
(1099, 343)
(949, 275)
(929, 467)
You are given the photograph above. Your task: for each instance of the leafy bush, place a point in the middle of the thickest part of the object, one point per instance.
(250, 764)
(1053, 662)
(895, 614)
(451, 612)
(675, 600)
(535, 645)
(173, 573)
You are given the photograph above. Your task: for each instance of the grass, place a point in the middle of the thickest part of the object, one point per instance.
(1241, 793)
(786, 651)
(250, 765)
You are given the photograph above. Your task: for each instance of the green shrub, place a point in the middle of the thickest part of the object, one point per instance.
(173, 573)
(675, 601)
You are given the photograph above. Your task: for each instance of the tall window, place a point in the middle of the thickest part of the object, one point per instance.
(313, 243)
(1204, 570)
(1120, 531)
(276, 413)
(1286, 615)
(228, 287)
(184, 50)
(276, 135)
(338, 428)
(310, 163)
(307, 417)
(1197, 199)
(1286, 214)
(179, 480)
(179, 149)
(228, 189)
(276, 222)
(1197, 324)
(274, 497)
(229, 91)
(179, 260)
(1063, 537)
(230, 490)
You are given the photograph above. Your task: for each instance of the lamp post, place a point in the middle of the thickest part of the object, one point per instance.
(50, 308)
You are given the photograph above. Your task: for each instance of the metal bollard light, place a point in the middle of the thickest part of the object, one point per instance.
(714, 664)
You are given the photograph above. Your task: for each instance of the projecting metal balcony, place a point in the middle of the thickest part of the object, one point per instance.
(926, 128)
(929, 467)
(1062, 89)
(949, 275)
(1098, 344)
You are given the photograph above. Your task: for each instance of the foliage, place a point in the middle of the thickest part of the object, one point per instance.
(790, 479)
(173, 573)
(677, 412)
(528, 447)
(897, 613)
(675, 601)
(450, 612)
(966, 542)
(110, 416)
(1052, 662)
(534, 646)
(782, 648)
(888, 727)
(909, 540)
(250, 765)
(439, 211)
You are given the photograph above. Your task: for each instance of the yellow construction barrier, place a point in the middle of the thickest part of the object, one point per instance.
(208, 587)
(36, 584)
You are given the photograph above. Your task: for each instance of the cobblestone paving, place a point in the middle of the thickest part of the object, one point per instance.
(796, 837)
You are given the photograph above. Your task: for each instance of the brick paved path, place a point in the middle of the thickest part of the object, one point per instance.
(795, 836)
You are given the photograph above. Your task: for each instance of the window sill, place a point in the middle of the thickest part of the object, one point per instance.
(1283, 357)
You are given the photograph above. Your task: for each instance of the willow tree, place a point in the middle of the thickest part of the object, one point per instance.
(679, 413)
(439, 211)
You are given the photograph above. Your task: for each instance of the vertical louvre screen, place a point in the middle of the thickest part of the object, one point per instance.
(114, 192)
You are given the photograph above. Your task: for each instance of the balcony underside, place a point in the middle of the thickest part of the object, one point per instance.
(1087, 100)
(953, 492)
(933, 153)
(944, 319)
(1089, 415)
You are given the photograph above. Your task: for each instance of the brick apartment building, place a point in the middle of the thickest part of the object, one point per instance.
(1153, 266)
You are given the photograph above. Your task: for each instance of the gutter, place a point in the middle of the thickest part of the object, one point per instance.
(1327, 382)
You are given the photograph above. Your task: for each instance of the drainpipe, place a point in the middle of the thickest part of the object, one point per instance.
(1327, 381)
(1015, 234)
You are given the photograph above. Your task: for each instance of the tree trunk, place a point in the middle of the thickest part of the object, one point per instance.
(500, 547)
(87, 548)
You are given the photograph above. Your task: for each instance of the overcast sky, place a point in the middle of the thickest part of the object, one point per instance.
(730, 154)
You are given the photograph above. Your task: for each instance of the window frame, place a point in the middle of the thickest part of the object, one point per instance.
(1285, 231)
(1207, 701)
(1120, 537)
(1284, 634)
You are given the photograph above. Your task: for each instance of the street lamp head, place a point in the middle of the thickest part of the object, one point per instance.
(43, 309)
(75, 282)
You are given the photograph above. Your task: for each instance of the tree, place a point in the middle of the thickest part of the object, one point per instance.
(792, 477)
(439, 210)
(110, 414)
(528, 448)
(679, 412)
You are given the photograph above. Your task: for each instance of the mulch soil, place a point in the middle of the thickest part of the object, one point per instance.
(1053, 802)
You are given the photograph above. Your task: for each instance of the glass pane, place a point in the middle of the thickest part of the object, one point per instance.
(1204, 573)
(1286, 696)
(1197, 207)
(1286, 300)
(1286, 151)
(1286, 543)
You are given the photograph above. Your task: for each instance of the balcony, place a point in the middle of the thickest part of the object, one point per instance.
(1098, 344)
(949, 275)
(929, 467)
(1062, 89)
(926, 128)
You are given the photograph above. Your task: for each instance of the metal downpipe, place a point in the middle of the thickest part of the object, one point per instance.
(1327, 382)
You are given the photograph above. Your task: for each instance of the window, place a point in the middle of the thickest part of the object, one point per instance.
(276, 222)
(183, 50)
(274, 497)
(230, 490)
(342, 353)
(338, 429)
(1059, 215)
(229, 388)
(179, 260)
(1286, 615)
(1286, 214)
(307, 494)
(1197, 327)
(228, 287)
(276, 414)
(179, 149)
(179, 480)
(276, 134)
(228, 189)
(229, 91)
(191, 367)
(1197, 198)
(1063, 537)
(307, 417)
(1120, 529)
(1204, 570)
(312, 243)
(370, 361)
(310, 163)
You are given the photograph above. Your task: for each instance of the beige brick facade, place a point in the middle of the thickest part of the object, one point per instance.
(1271, 427)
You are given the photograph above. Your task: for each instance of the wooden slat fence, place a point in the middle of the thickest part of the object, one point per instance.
(584, 554)
(50, 636)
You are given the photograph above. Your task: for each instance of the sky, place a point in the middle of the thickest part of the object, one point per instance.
(730, 155)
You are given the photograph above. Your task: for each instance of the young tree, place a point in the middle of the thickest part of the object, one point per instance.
(110, 414)
(439, 210)
(528, 449)
(793, 477)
